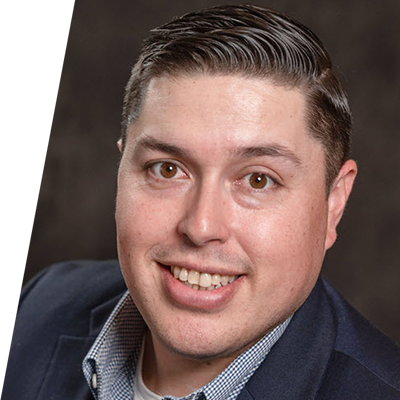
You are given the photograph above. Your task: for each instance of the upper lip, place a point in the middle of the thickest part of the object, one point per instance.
(202, 268)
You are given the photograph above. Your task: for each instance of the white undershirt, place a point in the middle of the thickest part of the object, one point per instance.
(141, 392)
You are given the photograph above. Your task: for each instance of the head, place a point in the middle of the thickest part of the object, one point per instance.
(249, 41)
(234, 163)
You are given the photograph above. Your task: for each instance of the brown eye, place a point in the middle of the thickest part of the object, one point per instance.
(258, 181)
(168, 170)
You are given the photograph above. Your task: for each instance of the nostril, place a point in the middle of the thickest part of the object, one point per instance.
(200, 232)
(206, 218)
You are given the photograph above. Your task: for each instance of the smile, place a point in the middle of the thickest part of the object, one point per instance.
(201, 280)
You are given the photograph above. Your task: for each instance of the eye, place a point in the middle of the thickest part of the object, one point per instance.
(166, 170)
(259, 181)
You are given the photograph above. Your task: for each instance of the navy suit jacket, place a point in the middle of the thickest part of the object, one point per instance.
(329, 351)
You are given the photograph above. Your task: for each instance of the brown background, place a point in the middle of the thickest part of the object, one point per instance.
(75, 213)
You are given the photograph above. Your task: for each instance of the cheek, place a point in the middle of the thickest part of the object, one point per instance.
(285, 241)
(142, 220)
(139, 227)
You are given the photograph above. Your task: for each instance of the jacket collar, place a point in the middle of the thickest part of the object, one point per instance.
(101, 313)
(295, 367)
(70, 352)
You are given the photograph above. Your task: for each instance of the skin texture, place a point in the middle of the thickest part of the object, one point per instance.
(217, 132)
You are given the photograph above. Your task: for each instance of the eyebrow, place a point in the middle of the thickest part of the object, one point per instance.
(269, 150)
(149, 143)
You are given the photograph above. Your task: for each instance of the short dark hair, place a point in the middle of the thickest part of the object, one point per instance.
(249, 41)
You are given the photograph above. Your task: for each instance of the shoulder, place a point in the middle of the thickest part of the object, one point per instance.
(364, 359)
(64, 294)
(60, 313)
(82, 272)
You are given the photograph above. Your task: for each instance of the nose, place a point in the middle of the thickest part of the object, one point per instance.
(206, 218)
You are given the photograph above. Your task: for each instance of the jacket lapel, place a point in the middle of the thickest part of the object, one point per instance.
(296, 364)
(65, 379)
(100, 314)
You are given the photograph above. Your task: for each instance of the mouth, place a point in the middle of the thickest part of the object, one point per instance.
(200, 290)
(201, 280)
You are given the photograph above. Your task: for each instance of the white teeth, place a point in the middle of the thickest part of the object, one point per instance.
(194, 277)
(215, 279)
(176, 271)
(183, 275)
(205, 280)
(224, 280)
(201, 281)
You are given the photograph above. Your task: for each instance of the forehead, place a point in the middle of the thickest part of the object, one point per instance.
(213, 113)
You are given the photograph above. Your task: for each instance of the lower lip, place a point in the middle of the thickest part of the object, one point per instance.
(198, 299)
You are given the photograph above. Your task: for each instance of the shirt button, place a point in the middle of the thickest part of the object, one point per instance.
(94, 381)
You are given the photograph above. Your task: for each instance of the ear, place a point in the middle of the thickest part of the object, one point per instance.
(337, 199)
(119, 145)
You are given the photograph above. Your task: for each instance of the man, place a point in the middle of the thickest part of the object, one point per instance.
(234, 175)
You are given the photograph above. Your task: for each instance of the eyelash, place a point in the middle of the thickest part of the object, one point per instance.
(151, 168)
(269, 184)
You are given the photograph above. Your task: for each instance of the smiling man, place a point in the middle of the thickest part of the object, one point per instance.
(235, 186)
(234, 175)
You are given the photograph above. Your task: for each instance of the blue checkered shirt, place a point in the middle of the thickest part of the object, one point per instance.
(109, 366)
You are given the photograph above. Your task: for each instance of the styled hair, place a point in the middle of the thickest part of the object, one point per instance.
(249, 41)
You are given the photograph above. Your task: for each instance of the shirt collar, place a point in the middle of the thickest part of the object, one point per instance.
(110, 363)
(109, 366)
(229, 383)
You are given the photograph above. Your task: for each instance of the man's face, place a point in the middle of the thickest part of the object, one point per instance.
(220, 177)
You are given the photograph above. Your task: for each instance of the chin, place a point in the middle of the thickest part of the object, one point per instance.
(199, 353)
(203, 340)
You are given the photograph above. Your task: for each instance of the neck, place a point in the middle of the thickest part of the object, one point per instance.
(167, 373)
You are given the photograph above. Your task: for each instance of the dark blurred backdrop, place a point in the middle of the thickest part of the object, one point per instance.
(75, 212)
